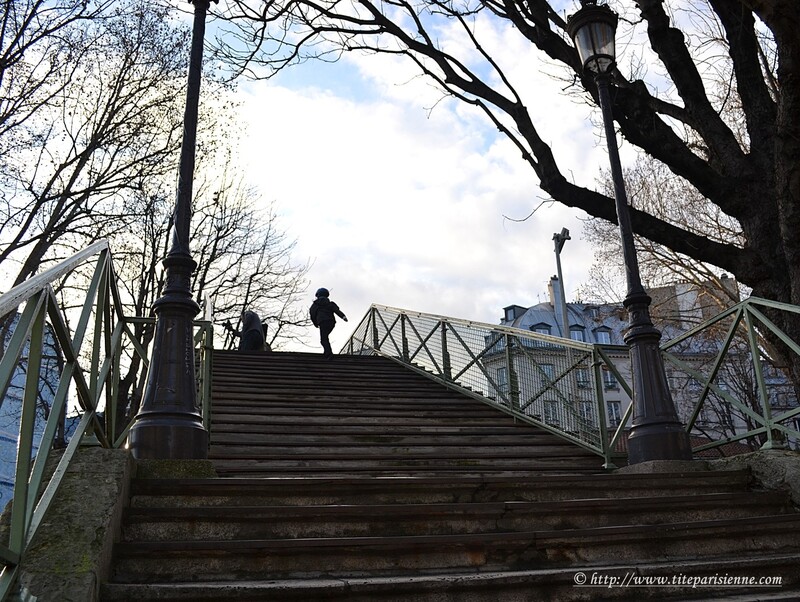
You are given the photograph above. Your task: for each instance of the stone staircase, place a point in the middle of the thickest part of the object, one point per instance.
(356, 479)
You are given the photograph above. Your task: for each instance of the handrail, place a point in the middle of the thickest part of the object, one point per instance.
(558, 383)
(94, 342)
(549, 381)
(22, 292)
(726, 360)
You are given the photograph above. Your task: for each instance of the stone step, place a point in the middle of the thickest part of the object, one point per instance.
(522, 432)
(394, 463)
(408, 419)
(222, 447)
(523, 486)
(306, 403)
(216, 560)
(270, 522)
(336, 412)
(346, 390)
(355, 479)
(412, 438)
(689, 581)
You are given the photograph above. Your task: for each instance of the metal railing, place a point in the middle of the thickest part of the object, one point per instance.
(552, 382)
(93, 342)
(724, 388)
(731, 378)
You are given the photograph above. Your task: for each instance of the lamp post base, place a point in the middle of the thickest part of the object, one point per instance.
(656, 433)
(658, 441)
(169, 425)
(168, 437)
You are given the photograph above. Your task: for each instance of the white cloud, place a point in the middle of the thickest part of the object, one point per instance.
(405, 207)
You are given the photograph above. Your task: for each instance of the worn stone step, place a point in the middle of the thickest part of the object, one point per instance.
(387, 461)
(282, 388)
(676, 581)
(408, 419)
(355, 469)
(333, 414)
(370, 482)
(370, 402)
(412, 438)
(353, 556)
(240, 522)
(363, 431)
(278, 450)
(526, 486)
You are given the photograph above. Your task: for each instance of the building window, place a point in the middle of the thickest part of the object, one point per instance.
(551, 412)
(586, 410)
(609, 380)
(614, 413)
(582, 378)
(545, 374)
(603, 337)
(495, 343)
(509, 314)
(502, 379)
(577, 334)
(540, 329)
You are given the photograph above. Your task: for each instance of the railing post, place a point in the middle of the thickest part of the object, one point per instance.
(208, 351)
(761, 386)
(403, 319)
(446, 367)
(513, 377)
(602, 425)
(374, 320)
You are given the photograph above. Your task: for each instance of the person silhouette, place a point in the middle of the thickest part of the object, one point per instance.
(251, 337)
(323, 315)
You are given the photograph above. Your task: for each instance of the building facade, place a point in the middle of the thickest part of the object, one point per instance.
(554, 384)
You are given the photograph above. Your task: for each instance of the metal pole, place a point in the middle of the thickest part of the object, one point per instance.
(169, 424)
(656, 432)
(559, 240)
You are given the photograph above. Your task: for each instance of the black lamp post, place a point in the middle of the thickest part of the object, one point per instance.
(656, 432)
(169, 424)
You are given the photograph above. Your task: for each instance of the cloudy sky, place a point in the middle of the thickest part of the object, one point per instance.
(398, 203)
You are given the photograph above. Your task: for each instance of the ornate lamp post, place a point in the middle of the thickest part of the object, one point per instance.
(656, 432)
(169, 424)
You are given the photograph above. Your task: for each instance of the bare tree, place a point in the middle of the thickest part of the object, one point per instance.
(89, 151)
(653, 188)
(105, 120)
(672, 117)
(40, 43)
(244, 259)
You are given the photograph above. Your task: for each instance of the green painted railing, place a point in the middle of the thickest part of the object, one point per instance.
(732, 375)
(552, 382)
(95, 342)
(565, 386)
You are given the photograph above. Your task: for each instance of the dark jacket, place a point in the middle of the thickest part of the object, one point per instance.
(252, 335)
(323, 310)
